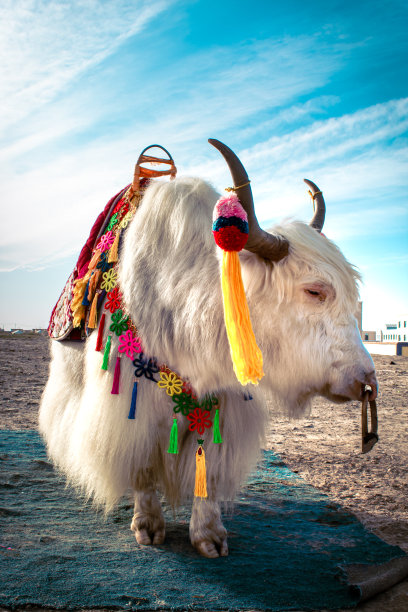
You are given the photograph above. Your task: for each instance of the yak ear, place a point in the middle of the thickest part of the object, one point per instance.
(319, 206)
(268, 246)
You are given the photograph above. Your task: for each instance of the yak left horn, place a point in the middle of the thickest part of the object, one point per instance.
(318, 205)
(266, 245)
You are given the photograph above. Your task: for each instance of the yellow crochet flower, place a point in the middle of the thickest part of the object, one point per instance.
(125, 221)
(109, 280)
(171, 383)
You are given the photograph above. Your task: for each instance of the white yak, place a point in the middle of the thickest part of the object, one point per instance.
(302, 296)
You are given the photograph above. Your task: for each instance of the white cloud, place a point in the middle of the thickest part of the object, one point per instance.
(48, 43)
(356, 159)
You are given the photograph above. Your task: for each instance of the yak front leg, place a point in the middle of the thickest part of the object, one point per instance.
(207, 533)
(148, 520)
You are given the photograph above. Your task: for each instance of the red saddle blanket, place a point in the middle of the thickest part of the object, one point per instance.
(61, 321)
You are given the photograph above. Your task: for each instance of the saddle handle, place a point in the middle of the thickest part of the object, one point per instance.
(141, 172)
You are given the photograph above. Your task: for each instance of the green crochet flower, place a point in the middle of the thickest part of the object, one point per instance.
(183, 403)
(113, 221)
(119, 323)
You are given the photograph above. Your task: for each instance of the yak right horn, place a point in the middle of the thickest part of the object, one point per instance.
(319, 206)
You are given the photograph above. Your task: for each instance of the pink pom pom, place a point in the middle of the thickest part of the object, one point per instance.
(229, 206)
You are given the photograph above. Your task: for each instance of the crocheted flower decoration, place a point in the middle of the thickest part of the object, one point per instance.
(184, 403)
(113, 221)
(129, 344)
(109, 280)
(209, 402)
(119, 323)
(113, 300)
(103, 263)
(106, 241)
(145, 367)
(126, 220)
(170, 382)
(120, 205)
(199, 420)
(230, 227)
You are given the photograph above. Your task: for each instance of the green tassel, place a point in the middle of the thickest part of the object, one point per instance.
(173, 438)
(216, 429)
(106, 354)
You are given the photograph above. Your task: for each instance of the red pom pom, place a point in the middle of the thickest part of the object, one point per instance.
(230, 238)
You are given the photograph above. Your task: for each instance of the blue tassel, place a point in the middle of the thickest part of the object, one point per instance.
(85, 301)
(132, 410)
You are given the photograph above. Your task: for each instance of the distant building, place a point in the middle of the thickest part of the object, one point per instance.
(393, 334)
(369, 336)
(396, 332)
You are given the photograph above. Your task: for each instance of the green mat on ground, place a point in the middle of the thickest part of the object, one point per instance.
(288, 546)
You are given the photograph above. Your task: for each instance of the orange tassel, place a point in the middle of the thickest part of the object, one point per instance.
(113, 253)
(200, 488)
(93, 284)
(94, 260)
(93, 315)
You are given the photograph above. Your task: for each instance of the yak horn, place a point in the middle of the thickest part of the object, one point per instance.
(319, 206)
(268, 246)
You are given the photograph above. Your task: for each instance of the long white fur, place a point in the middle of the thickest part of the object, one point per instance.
(169, 276)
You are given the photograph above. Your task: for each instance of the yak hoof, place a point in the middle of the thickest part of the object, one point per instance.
(148, 521)
(207, 533)
(208, 549)
(144, 539)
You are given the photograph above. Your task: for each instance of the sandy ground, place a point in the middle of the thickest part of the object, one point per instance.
(325, 448)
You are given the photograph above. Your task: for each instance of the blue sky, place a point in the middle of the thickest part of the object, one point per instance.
(316, 90)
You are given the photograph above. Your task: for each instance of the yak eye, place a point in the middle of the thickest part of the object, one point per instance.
(316, 293)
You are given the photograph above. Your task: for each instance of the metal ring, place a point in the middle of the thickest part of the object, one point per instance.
(368, 438)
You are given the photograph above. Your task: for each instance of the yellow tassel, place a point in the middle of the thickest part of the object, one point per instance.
(245, 353)
(78, 309)
(113, 253)
(79, 315)
(93, 315)
(200, 488)
(79, 291)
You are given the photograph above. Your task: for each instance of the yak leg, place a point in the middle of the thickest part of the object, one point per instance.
(148, 520)
(207, 533)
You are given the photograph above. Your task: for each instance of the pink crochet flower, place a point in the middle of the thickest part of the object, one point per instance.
(129, 344)
(106, 241)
